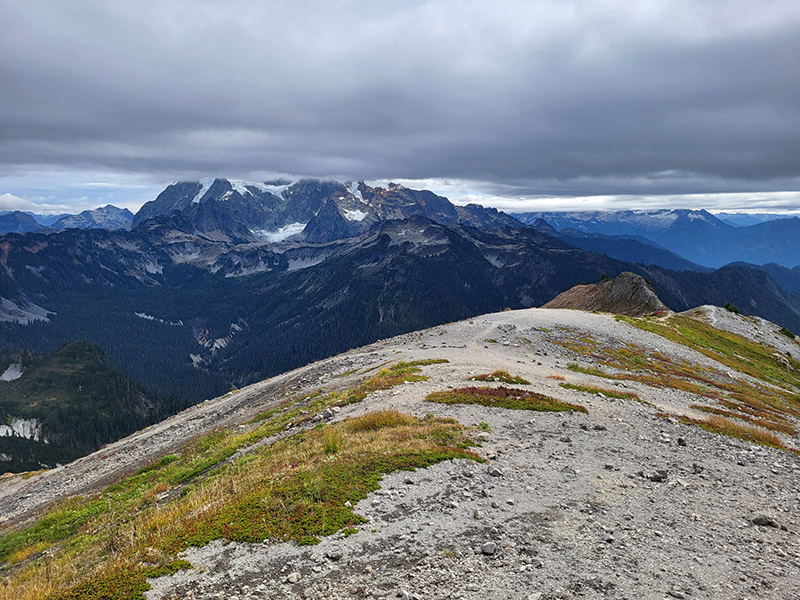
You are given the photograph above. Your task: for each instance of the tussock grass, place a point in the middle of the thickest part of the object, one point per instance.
(105, 546)
(375, 421)
(501, 377)
(774, 404)
(724, 426)
(332, 440)
(503, 397)
(773, 425)
(557, 377)
(605, 391)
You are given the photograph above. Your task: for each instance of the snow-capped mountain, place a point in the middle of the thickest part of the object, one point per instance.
(304, 210)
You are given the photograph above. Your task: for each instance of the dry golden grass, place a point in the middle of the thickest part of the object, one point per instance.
(116, 541)
(773, 406)
(725, 426)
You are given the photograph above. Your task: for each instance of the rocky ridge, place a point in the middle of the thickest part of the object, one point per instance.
(626, 294)
(616, 503)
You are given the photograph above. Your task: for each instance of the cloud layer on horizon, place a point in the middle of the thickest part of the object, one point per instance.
(530, 99)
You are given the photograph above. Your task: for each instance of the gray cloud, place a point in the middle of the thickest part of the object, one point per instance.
(563, 98)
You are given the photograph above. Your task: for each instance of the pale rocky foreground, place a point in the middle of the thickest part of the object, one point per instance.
(618, 503)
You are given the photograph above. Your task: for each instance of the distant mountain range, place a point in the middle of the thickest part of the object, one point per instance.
(695, 235)
(106, 217)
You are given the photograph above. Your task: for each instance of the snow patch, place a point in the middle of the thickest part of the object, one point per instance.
(206, 183)
(147, 317)
(352, 187)
(153, 268)
(14, 371)
(274, 189)
(354, 215)
(11, 312)
(295, 264)
(241, 187)
(281, 233)
(30, 429)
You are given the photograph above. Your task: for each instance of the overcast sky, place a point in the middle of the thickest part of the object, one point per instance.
(551, 105)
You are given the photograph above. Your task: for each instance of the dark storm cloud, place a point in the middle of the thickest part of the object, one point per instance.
(529, 98)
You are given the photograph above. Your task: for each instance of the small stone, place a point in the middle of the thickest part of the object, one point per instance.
(452, 504)
(510, 501)
(476, 514)
(489, 548)
(681, 441)
(485, 493)
(408, 481)
(334, 554)
(495, 504)
(676, 594)
(495, 471)
(293, 577)
(608, 538)
(566, 439)
(599, 427)
(348, 504)
(764, 520)
(482, 437)
(659, 475)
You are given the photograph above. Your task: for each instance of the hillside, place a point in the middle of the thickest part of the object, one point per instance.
(63, 406)
(626, 294)
(558, 454)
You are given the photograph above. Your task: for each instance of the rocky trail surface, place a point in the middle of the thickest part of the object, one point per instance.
(615, 503)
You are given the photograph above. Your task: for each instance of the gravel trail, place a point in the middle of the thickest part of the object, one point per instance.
(617, 503)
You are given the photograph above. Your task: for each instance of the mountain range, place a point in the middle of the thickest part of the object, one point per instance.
(695, 235)
(220, 283)
(105, 217)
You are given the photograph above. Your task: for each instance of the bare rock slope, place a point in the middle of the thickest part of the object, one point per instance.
(627, 294)
(627, 500)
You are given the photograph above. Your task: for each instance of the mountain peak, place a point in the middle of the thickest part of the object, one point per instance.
(627, 294)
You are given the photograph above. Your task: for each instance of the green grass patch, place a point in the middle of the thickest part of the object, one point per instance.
(606, 392)
(126, 582)
(503, 397)
(501, 377)
(776, 400)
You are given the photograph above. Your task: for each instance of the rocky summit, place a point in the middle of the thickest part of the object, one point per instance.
(526, 454)
(627, 294)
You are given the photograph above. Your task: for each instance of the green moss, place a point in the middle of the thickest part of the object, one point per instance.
(128, 582)
(58, 524)
(503, 397)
